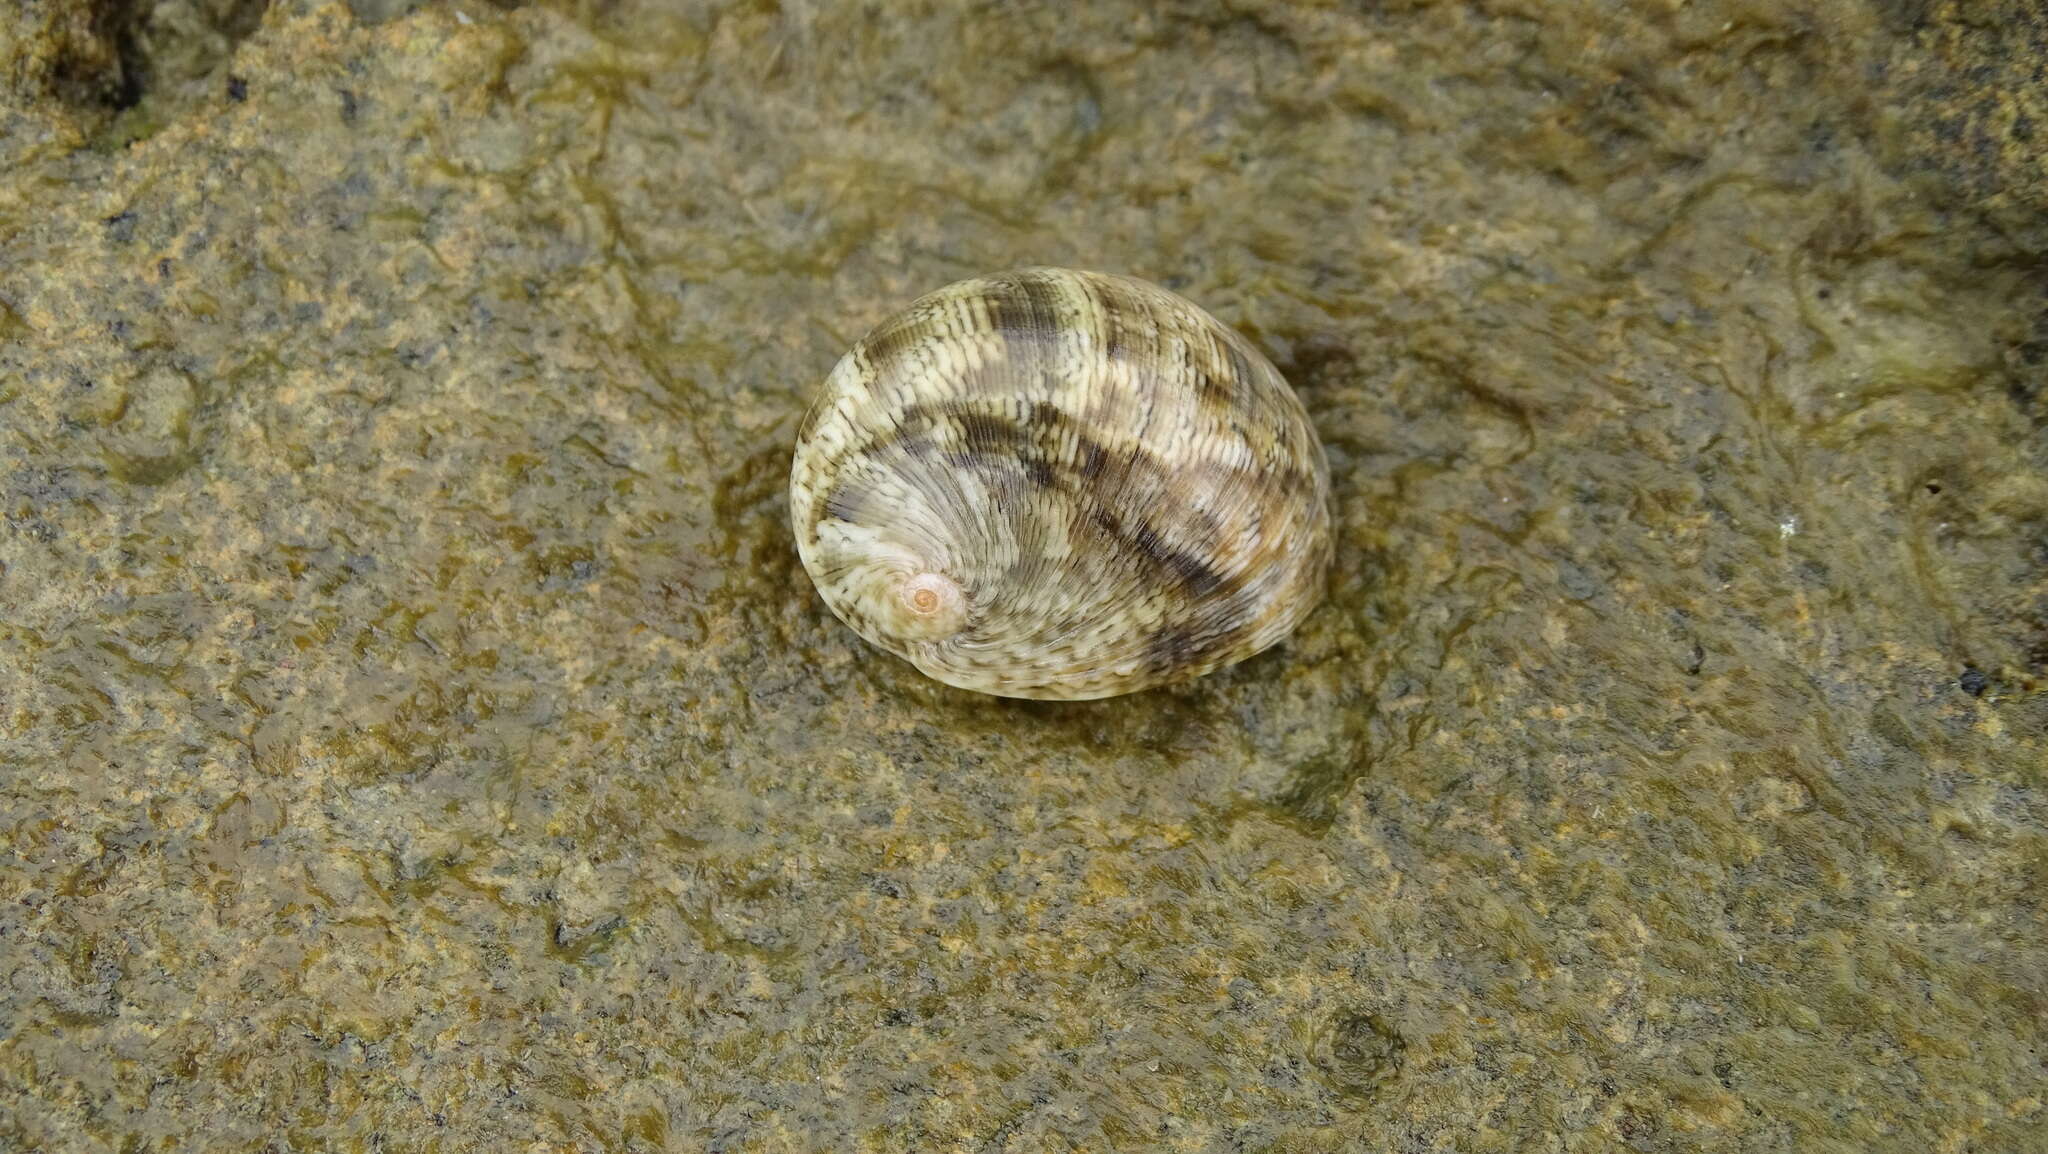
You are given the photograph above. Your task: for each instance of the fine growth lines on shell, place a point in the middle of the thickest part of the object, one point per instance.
(1102, 486)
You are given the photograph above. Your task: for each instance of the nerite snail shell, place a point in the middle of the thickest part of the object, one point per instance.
(1060, 484)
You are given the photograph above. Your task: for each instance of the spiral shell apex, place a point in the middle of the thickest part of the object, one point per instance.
(1059, 484)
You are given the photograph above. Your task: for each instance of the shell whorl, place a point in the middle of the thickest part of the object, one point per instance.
(1060, 484)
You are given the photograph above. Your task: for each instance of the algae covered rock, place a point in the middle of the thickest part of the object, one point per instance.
(1967, 95)
(417, 730)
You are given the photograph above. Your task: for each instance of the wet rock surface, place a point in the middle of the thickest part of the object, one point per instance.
(416, 731)
(1966, 95)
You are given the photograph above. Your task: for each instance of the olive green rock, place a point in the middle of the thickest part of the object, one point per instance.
(418, 730)
(1966, 99)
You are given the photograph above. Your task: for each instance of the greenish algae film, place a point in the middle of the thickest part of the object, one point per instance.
(416, 732)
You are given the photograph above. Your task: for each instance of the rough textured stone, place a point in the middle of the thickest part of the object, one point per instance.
(416, 732)
(1967, 101)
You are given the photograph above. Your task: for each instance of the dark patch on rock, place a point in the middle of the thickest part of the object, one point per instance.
(1968, 76)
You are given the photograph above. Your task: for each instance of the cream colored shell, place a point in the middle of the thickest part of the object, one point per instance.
(1060, 484)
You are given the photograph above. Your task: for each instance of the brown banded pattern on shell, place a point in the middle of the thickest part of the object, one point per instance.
(1060, 484)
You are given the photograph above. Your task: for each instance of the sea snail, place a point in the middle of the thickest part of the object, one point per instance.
(1058, 484)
